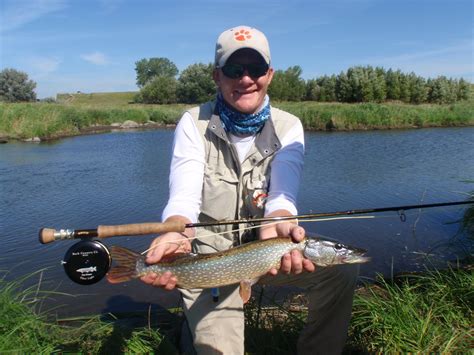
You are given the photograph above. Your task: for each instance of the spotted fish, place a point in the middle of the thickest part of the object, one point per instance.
(243, 264)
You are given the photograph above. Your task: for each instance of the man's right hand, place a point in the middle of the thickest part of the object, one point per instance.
(165, 245)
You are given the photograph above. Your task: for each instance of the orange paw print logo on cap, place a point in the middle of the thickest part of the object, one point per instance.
(242, 35)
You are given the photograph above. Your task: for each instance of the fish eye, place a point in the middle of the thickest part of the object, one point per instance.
(338, 246)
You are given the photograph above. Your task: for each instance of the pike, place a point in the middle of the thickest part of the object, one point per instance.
(48, 235)
(244, 264)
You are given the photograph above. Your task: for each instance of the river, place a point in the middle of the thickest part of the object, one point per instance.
(122, 177)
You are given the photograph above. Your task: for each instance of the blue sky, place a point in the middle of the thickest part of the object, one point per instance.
(92, 45)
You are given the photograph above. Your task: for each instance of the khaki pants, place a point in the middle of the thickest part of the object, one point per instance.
(218, 327)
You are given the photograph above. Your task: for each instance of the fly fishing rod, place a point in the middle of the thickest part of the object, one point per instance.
(48, 235)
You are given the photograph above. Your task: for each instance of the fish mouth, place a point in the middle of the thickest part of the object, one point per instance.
(357, 251)
(356, 259)
(356, 256)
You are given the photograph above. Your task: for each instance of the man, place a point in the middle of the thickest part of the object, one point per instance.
(238, 157)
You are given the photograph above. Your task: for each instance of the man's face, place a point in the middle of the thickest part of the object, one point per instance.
(245, 94)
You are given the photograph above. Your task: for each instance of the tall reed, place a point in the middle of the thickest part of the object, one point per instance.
(49, 120)
(428, 313)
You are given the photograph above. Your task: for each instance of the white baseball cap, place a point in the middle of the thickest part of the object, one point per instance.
(241, 37)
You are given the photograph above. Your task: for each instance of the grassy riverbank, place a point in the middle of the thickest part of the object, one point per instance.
(47, 120)
(80, 113)
(418, 313)
(341, 116)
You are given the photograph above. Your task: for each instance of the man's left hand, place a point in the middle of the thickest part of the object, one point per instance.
(293, 262)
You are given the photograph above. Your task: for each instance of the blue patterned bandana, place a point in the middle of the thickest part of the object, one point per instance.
(239, 123)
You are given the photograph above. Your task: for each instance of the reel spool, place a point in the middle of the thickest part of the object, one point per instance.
(87, 262)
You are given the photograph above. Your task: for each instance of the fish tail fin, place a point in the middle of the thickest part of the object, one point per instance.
(126, 270)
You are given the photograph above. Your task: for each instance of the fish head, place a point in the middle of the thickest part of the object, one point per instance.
(326, 252)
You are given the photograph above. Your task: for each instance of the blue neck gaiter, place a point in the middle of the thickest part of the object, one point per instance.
(239, 123)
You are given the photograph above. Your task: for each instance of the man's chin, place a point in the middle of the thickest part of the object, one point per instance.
(246, 104)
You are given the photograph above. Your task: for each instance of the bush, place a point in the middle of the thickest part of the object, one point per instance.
(195, 84)
(160, 90)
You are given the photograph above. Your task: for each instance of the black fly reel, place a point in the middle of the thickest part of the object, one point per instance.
(87, 262)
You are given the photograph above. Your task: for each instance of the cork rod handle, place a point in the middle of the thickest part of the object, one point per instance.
(49, 235)
(140, 229)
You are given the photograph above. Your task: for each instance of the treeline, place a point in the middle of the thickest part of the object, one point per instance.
(159, 83)
(367, 84)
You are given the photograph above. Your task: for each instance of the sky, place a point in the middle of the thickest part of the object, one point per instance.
(67, 46)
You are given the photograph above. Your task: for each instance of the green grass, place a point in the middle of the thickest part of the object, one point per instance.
(429, 313)
(46, 120)
(342, 116)
(76, 113)
(24, 328)
(421, 313)
(98, 99)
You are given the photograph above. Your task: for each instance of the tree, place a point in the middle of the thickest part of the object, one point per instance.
(404, 88)
(277, 89)
(366, 83)
(418, 89)
(355, 77)
(147, 69)
(343, 88)
(327, 85)
(288, 85)
(442, 90)
(392, 79)
(379, 84)
(15, 86)
(313, 90)
(195, 84)
(296, 85)
(463, 90)
(159, 90)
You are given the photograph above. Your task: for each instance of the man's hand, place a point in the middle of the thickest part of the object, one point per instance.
(166, 245)
(293, 262)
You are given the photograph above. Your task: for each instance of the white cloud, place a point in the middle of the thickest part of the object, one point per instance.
(96, 58)
(18, 13)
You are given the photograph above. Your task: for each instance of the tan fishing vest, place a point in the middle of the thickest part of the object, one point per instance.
(233, 190)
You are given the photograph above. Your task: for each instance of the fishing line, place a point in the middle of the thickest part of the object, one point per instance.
(208, 235)
(253, 227)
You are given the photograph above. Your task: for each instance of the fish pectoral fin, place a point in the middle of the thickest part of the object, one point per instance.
(245, 289)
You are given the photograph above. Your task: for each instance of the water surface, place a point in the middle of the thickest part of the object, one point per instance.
(122, 177)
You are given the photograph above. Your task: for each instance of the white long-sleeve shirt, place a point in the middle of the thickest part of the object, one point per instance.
(188, 161)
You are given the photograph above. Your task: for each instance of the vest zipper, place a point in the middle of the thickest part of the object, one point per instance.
(235, 156)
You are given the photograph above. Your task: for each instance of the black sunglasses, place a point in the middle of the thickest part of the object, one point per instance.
(236, 71)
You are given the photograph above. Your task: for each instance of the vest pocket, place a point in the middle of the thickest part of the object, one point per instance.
(219, 196)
